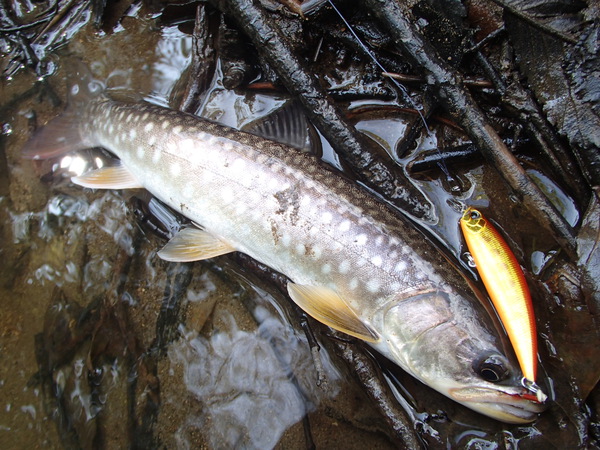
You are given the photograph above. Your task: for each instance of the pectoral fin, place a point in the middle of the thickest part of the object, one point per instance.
(327, 306)
(111, 177)
(193, 244)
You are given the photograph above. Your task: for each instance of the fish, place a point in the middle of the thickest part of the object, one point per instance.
(506, 285)
(353, 263)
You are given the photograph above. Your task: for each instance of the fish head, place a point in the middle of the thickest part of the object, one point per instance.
(440, 338)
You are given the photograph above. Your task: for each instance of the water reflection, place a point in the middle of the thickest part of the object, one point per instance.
(253, 385)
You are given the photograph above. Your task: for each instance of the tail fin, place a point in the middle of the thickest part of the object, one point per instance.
(62, 134)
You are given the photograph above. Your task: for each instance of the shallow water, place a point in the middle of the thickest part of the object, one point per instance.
(104, 344)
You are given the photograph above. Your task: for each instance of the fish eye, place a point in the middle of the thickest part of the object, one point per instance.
(475, 214)
(492, 369)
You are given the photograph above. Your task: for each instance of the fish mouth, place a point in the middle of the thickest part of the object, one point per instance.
(518, 407)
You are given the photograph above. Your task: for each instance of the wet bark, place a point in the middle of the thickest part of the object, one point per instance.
(450, 91)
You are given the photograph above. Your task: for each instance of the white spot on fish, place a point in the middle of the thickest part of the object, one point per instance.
(241, 208)
(151, 140)
(227, 194)
(326, 268)
(353, 284)
(255, 198)
(145, 117)
(188, 191)
(111, 129)
(305, 200)
(300, 249)
(326, 217)
(239, 164)
(377, 261)
(310, 185)
(165, 124)
(317, 251)
(378, 241)
(344, 267)
(177, 129)
(187, 145)
(132, 133)
(361, 239)
(345, 226)
(245, 229)
(286, 239)
(400, 267)
(373, 285)
(129, 117)
(148, 126)
(360, 262)
(175, 169)
(140, 152)
(245, 179)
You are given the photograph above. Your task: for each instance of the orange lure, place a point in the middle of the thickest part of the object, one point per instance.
(504, 280)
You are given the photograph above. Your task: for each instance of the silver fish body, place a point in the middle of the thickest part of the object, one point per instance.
(353, 263)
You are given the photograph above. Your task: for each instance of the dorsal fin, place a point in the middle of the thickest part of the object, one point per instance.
(287, 125)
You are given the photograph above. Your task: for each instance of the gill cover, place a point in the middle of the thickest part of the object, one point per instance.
(470, 369)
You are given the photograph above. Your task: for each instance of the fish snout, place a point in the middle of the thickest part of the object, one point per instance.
(516, 406)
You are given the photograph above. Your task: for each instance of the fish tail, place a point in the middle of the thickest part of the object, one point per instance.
(62, 134)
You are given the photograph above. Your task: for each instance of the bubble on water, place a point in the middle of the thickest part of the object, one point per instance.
(7, 129)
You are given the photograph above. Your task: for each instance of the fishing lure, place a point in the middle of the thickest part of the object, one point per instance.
(505, 282)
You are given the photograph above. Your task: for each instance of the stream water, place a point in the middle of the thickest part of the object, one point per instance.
(103, 344)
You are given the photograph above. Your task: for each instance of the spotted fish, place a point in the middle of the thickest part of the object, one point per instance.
(352, 263)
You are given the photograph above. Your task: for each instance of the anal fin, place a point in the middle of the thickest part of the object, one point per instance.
(328, 307)
(193, 244)
(110, 177)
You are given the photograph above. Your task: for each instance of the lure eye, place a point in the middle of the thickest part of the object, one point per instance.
(492, 369)
(475, 215)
